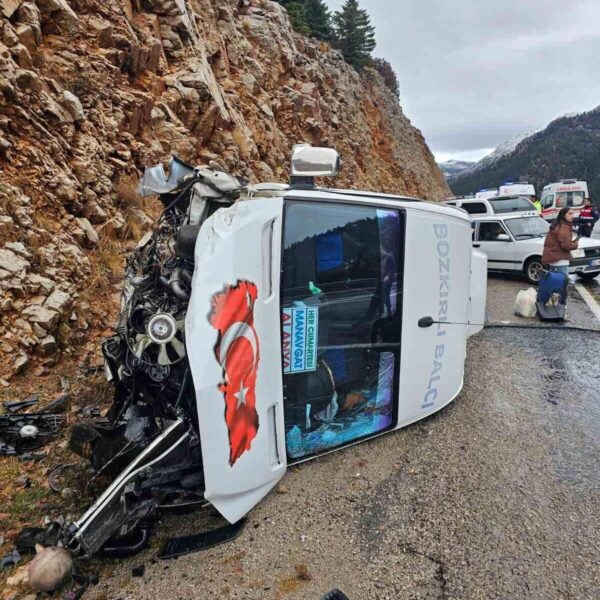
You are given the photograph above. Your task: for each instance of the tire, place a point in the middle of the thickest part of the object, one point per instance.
(335, 595)
(588, 276)
(533, 269)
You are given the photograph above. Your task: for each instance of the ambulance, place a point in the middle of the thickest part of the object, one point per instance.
(517, 189)
(566, 193)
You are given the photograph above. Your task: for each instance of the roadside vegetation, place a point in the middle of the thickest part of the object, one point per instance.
(349, 30)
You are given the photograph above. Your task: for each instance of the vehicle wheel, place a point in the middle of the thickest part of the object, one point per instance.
(588, 275)
(533, 269)
(335, 595)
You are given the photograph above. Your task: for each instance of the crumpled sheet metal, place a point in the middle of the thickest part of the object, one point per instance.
(155, 181)
(211, 184)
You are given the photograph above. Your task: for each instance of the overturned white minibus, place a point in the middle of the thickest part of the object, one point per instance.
(266, 325)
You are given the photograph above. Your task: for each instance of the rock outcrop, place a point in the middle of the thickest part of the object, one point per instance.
(91, 91)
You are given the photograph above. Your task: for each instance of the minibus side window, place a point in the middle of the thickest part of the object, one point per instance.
(548, 201)
(341, 302)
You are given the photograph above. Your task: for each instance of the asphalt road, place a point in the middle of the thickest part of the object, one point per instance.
(496, 497)
(503, 290)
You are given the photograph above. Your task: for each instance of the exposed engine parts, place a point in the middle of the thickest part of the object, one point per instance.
(27, 432)
(18, 406)
(149, 443)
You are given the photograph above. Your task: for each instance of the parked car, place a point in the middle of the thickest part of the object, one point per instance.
(497, 205)
(266, 325)
(515, 243)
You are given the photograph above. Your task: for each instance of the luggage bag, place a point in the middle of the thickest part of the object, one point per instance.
(548, 306)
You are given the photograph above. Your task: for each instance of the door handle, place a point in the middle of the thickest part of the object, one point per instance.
(476, 245)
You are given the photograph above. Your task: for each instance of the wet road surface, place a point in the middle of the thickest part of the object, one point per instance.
(495, 497)
(593, 287)
(502, 293)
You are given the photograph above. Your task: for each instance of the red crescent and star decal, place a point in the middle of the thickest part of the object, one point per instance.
(237, 351)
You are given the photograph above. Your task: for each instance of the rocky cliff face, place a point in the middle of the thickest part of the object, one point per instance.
(91, 91)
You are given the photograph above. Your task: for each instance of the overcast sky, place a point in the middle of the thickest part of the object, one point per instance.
(474, 73)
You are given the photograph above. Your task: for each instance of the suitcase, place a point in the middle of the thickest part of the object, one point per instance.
(551, 283)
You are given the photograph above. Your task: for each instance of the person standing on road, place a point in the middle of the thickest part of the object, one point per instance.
(587, 218)
(559, 242)
(537, 204)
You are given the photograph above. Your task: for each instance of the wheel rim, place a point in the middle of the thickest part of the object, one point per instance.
(534, 271)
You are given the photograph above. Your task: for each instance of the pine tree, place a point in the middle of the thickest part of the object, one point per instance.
(309, 17)
(318, 19)
(297, 12)
(355, 36)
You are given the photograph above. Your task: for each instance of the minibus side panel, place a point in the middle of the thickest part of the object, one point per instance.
(436, 285)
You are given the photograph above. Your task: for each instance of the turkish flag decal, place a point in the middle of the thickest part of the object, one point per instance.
(237, 351)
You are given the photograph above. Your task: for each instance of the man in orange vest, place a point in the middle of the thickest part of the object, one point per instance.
(587, 218)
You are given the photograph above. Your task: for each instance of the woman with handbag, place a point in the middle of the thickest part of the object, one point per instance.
(559, 242)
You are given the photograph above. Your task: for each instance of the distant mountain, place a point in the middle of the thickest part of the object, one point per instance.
(471, 168)
(567, 148)
(500, 151)
(454, 167)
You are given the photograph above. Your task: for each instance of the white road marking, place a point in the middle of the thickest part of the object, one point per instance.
(589, 300)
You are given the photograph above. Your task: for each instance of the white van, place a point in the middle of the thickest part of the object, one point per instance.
(268, 325)
(494, 205)
(566, 193)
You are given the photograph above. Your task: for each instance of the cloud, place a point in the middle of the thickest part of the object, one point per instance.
(474, 74)
(469, 155)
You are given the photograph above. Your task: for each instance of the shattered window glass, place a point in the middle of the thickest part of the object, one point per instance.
(341, 318)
